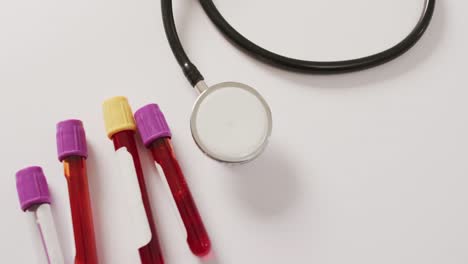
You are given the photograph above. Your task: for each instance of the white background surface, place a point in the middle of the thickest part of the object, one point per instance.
(362, 168)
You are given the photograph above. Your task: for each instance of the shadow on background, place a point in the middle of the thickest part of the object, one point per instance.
(212, 258)
(266, 186)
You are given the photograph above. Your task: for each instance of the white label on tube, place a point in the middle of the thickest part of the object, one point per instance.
(132, 201)
(39, 250)
(169, 192)
(45, 222)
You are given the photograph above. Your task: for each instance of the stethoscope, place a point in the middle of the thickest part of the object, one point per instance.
(231, 122)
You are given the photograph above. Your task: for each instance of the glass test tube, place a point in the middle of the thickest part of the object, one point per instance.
(72, 152)
(35, 200)
(121, 128)
(156, 136)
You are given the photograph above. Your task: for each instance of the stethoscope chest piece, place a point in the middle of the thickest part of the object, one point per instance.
(231, 122)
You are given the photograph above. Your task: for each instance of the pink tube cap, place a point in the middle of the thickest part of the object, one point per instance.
(32, 187)
(151, 124)
(71, 139)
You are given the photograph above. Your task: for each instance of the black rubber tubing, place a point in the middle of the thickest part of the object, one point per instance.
(316, 67)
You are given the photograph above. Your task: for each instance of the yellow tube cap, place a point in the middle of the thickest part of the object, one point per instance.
(118, 115)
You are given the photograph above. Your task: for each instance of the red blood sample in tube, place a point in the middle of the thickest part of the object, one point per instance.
(151, 253)
(156, 135)
(72, 151)
(121, 128)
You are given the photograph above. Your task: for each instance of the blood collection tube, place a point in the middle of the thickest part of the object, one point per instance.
(156, 136)
(34, 198)
(121, 128)
(72, 152)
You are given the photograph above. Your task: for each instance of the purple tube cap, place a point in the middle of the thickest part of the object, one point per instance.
(151, 124)
(32, 187)
(71, 139)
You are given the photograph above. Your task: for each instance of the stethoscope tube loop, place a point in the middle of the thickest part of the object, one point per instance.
(317, 67)
(321, 67)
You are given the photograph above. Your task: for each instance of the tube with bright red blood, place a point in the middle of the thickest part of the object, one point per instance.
(121, 129)
(72, 151)
(156, 136)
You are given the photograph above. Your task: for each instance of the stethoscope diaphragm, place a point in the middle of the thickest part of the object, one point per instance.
(231, 122)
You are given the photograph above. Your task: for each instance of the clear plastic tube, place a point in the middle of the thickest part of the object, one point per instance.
(121, 127)
(151, 253)
(197, 237)
(82, 215)
(35, 200)
(73, 152)
(156, 136)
